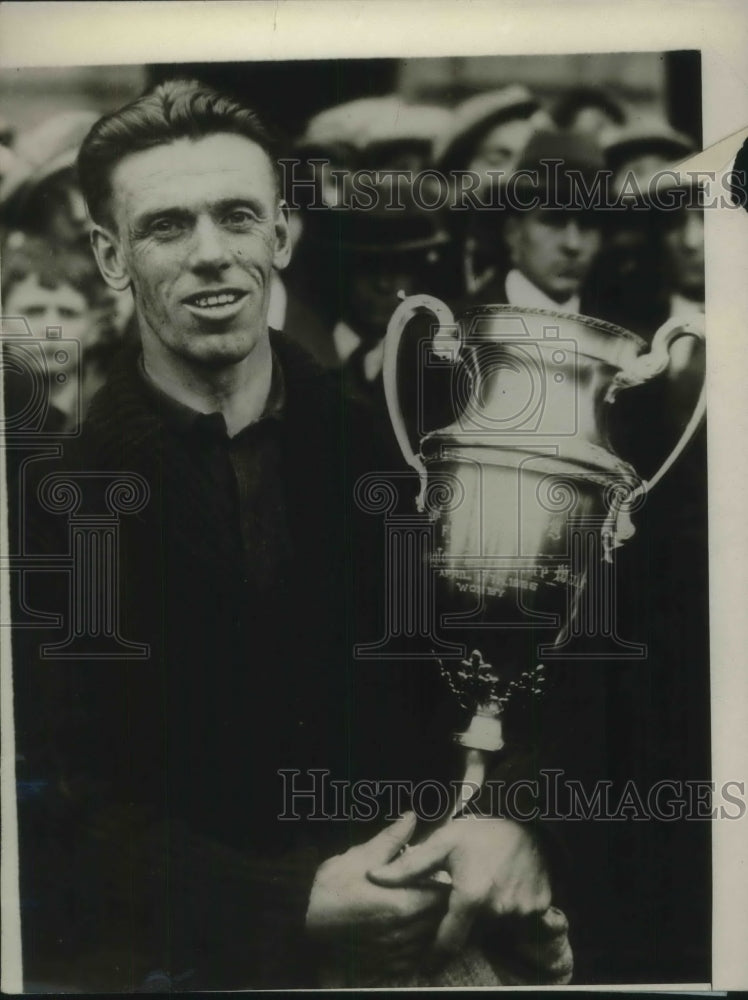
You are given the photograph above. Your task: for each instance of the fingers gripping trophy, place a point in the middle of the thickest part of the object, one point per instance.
(527, 497)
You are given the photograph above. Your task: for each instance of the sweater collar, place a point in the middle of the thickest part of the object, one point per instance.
(181, 417)
(126, 419)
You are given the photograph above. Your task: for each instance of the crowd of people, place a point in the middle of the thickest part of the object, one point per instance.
(635, 267)
(244, 573)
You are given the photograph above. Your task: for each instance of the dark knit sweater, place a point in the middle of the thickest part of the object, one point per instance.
(170, 764)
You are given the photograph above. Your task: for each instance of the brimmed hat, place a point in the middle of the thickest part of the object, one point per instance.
(394, 232)
(474, 117)
(43, 152)
(545, 165)
(649, 137)
(645, 136)
(373, 122)
(666, 188)
(380, 229)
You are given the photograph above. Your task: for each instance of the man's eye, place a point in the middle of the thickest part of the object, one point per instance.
(164, 227)
(240, 217)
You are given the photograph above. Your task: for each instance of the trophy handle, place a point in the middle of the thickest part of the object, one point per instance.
(648, 366)
(445, 345)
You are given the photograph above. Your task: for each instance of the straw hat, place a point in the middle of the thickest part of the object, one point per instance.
(43, 152)
(474, 117)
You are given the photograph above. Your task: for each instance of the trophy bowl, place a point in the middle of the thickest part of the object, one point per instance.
(527, 497)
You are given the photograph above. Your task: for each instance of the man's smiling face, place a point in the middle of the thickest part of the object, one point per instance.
(197, 228)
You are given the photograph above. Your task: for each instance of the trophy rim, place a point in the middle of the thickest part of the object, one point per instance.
(498, 308)
(586, 462)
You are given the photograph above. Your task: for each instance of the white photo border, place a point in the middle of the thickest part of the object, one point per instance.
(75, 34)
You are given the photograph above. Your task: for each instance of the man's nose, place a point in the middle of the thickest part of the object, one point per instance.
(571, 237)
(209, 249)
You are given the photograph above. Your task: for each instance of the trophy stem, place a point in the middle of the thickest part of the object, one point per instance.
(488, 728)
(476, 762)
(481, 739)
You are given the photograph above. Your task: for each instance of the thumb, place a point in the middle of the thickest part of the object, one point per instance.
(389, 842)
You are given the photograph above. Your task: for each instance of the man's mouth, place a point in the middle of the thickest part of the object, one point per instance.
(210, 300)
(219, 304)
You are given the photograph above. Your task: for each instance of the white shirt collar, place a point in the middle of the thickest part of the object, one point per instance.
(681, 306)
(520, 291)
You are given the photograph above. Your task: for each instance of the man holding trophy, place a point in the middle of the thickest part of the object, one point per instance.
(222, 655)
(161, 748)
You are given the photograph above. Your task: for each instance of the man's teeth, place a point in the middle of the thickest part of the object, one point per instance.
(224, 299)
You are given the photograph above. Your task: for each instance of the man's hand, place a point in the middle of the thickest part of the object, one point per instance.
(495, 865)
(384, 930)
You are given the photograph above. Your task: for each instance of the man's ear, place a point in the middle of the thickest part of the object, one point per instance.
(108, 253)
(282, 254)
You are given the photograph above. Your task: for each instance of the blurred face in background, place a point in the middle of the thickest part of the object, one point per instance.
(372, 286)
(553, 248)
(684, 245)
(61, 210)
(591, 121)
(42, 307)
(502, 146)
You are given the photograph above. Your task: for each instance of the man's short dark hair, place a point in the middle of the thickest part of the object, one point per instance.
(176, 109)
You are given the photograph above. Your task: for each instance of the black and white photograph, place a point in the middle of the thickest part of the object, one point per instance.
(359, 522)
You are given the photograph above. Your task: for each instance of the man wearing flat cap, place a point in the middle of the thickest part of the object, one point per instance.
(551, 235)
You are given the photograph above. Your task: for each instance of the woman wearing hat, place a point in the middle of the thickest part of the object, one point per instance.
(40, 193)
(487, 136)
